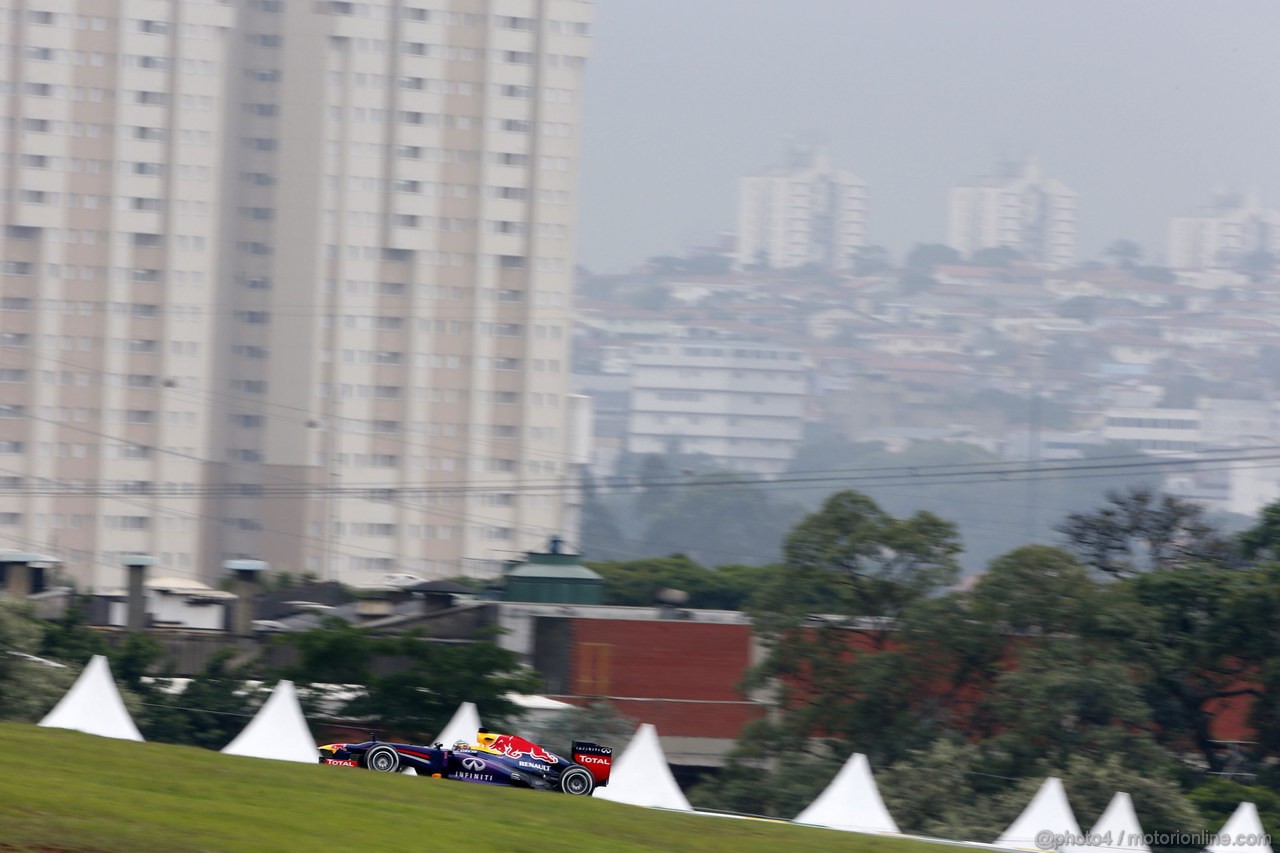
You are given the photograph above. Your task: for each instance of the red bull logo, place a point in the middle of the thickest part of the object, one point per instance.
(517, 747)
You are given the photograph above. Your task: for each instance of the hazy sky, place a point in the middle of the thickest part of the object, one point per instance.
(1141, 106)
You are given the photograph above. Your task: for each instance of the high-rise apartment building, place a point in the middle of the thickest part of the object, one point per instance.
(740, 402)
(111, 128)
(1018, 209)
(1223, 232)
(325, 288)
(804, 212)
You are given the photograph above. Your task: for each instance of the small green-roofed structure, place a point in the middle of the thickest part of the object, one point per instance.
(553, 577)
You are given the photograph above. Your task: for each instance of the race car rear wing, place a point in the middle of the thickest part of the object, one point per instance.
(596, 758)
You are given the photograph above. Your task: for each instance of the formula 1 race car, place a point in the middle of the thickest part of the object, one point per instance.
(496, 760)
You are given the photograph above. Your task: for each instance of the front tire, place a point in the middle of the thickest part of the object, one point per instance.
(382, 759)
(577, 782)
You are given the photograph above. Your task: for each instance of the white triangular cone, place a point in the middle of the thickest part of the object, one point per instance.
(851, 802)
(277, 731)
(1048, 811)
(464, 725)
(641, 776)
(1243, 821)
(1117, 831)
(93, 705)
(409, 771)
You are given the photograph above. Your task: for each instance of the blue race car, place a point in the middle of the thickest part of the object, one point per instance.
(497, 759)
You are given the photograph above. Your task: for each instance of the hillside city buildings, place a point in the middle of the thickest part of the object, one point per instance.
(1019, 209)
(1223, 232)
(803, 212)
(288, 281)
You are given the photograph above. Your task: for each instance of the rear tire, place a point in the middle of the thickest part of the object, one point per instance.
(577, 782)
(383, 759)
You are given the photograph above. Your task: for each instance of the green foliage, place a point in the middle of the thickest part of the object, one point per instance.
(860, 561)
(926, 256)
(1217, 799)
(635, 583)
(915, 281)
(770, 772)
(1181, 637)
(996, 256)
(421, 683)
(953, 790)
(1262, 540)
(213, 708)
(416, 702)
(134, 658)
(723, 517)
(1124, 253)
(335, 653)
(683, 504)
(70, 638)
(856, 565)
(28, 689)
(1139, 530)
(1091, 782)
(869, 260)
(942, 791)
(595, 721)
(993, 516)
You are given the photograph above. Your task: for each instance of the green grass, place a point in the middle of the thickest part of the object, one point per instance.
(65, 791)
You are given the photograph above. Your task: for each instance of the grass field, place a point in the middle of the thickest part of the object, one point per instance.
(64, 791)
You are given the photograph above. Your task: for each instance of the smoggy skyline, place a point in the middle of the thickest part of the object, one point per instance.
(1140, 107)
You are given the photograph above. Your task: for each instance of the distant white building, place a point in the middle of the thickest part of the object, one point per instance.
(1241, 484)
(173, 602)
(1019, 209)
(740, 402)
(804, 212)
(1223, 231)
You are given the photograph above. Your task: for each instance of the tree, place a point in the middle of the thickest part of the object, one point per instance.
(926, 256)
(28, 688)
(1258, 264)
(655, 478)
(915, 281)
(653, 298)
(418, 698)
(943, 791)
(1082, 308)
(70, 638)
(209, 712)
(870, 260)
(1050, 683)
(995, 256)
(596, 721)
(720, 516)
(600, 531)
(1217, 799)
(1160, 275)
(1091, 781)
(1123, 253)
(1262, 541)
(850, 574)
(412, 685)
(1139, 530)
(635, 583)
(1182, 636)
(856, 560)
(767, 773)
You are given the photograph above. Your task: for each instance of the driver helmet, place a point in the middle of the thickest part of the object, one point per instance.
(461, 744)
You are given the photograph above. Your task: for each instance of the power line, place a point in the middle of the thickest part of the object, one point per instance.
(922, 476)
